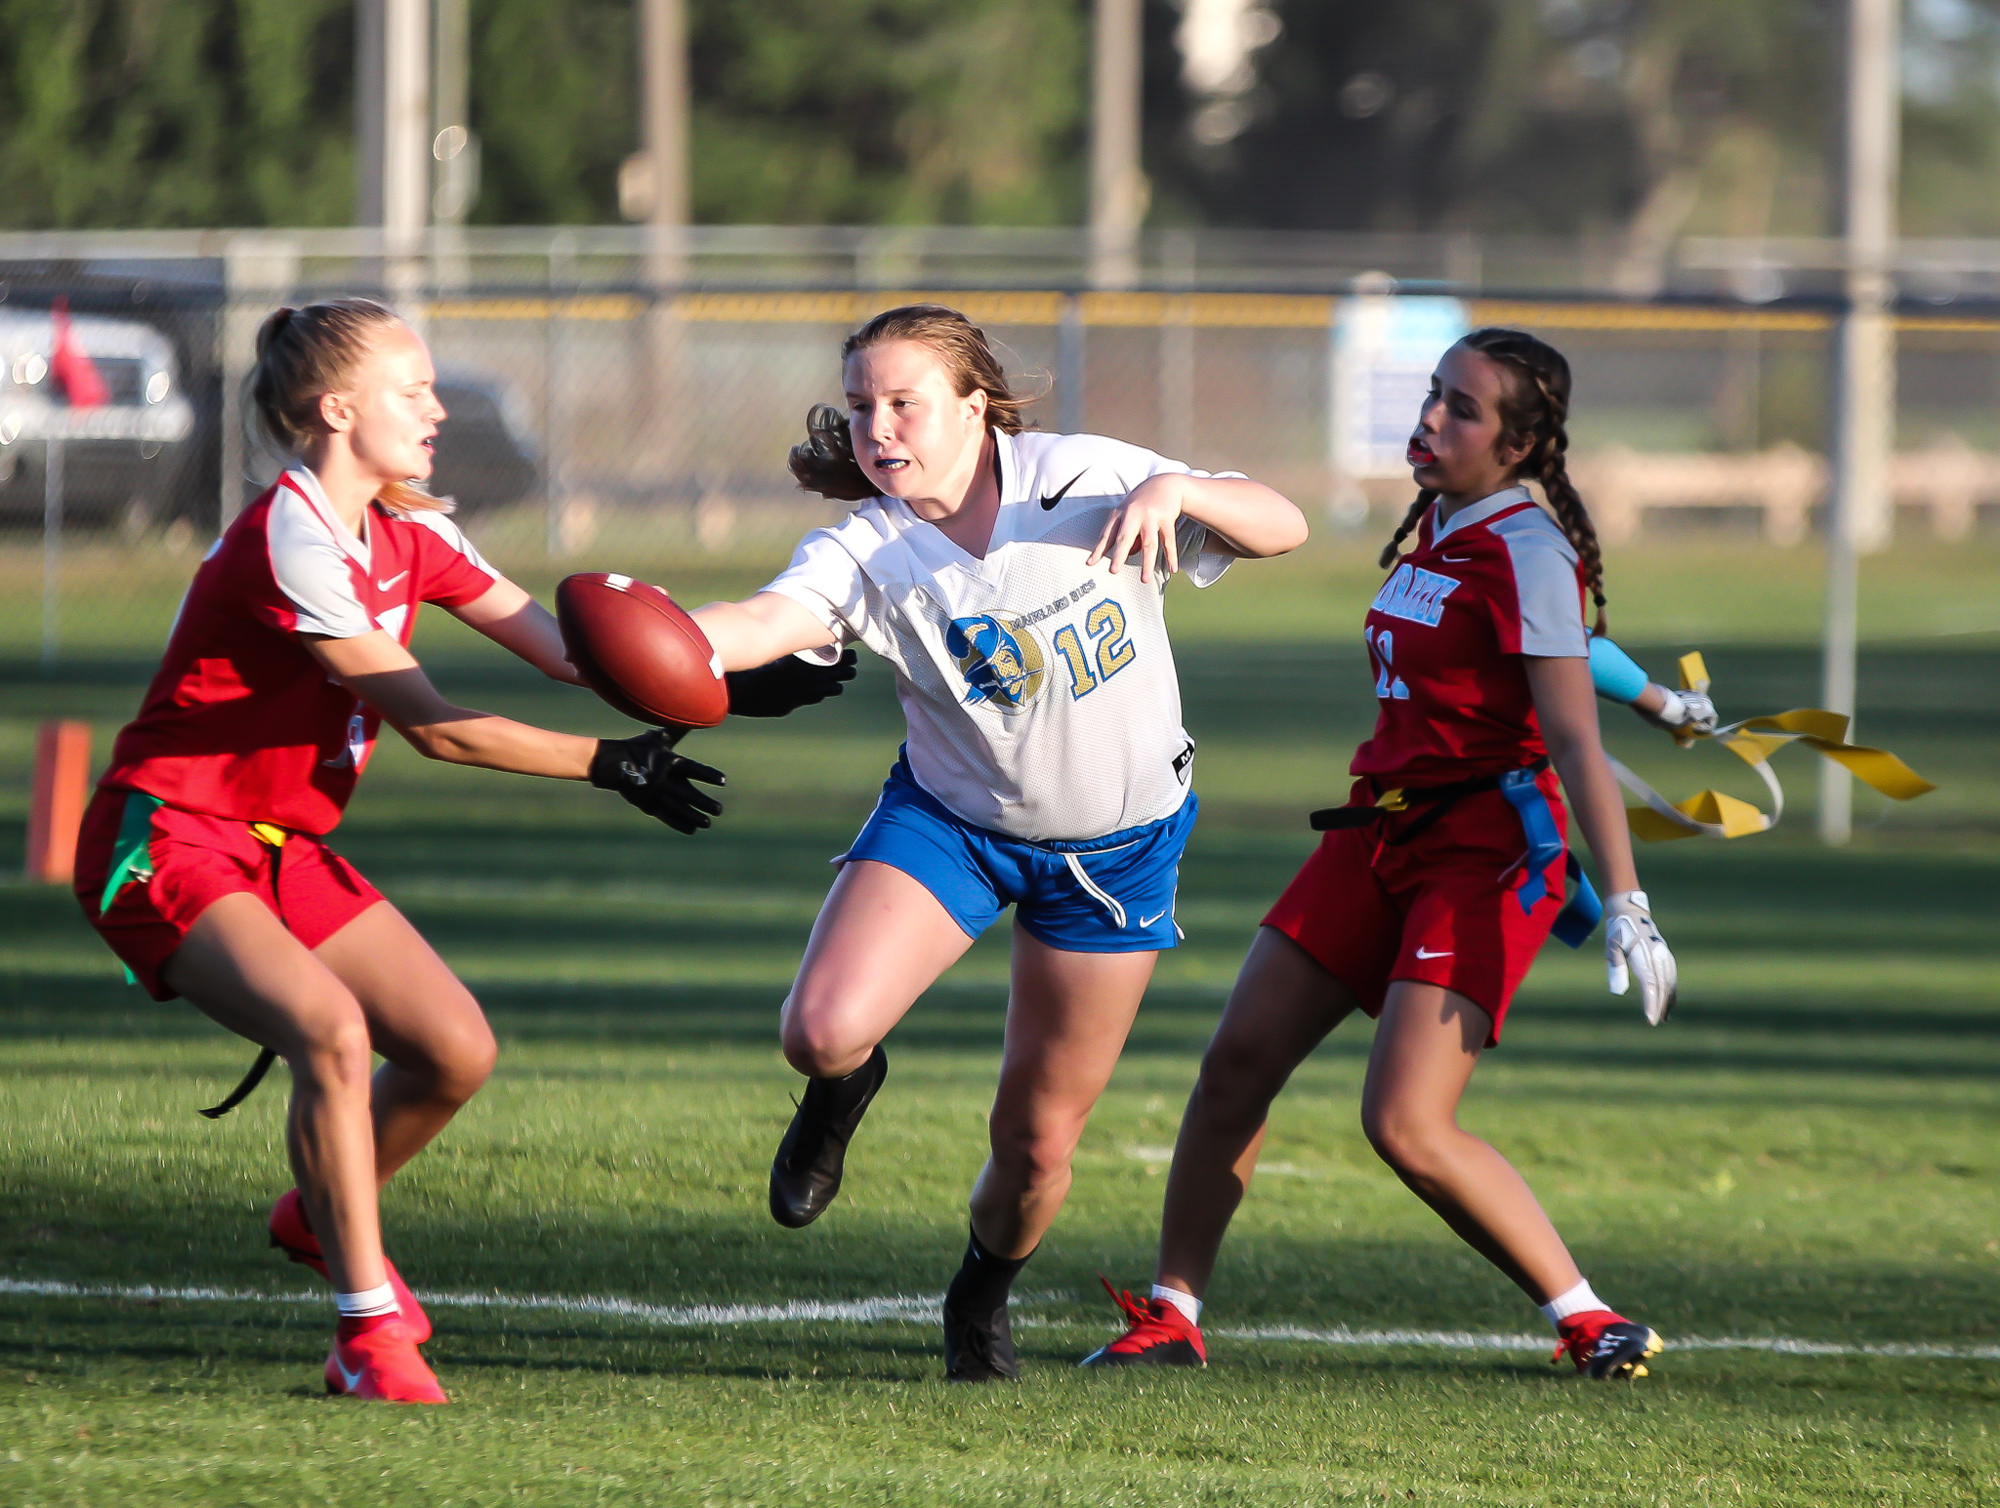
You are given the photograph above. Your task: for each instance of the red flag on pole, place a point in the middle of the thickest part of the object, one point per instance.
(68, 364)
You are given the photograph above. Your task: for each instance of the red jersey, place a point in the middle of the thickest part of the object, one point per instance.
(1445, 638)
(241, 722)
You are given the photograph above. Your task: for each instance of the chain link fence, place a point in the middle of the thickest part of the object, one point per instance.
(607, 391)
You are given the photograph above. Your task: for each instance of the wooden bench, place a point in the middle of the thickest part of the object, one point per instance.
(1948, 480)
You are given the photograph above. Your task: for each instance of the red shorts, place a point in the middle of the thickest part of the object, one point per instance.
(196, 862)
(1442, 909)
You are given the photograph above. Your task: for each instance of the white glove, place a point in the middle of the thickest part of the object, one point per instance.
(1633, 945)
(1686, 712)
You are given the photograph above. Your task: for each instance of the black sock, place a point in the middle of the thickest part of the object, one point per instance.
(983, 1280)
(834, 1099)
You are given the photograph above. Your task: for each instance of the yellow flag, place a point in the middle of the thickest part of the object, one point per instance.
(1711, 814)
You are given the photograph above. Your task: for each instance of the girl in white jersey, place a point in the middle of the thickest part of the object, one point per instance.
(1015, 582)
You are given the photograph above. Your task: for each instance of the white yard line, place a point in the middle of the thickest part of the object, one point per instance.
(923, 1309)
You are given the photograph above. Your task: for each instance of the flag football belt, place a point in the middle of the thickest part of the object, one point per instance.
(132, 860)
(1713, 814)
(1579, 916)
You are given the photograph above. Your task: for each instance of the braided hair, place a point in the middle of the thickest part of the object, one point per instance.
(1536, 410)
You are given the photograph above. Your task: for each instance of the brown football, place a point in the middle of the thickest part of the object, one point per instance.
(640, 651)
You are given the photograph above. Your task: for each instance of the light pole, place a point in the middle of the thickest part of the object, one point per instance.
(392, 128)
(1117, 184)
(1859, 511)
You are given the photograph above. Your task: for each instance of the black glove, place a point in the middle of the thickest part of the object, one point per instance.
(648, 773)
(785, 685)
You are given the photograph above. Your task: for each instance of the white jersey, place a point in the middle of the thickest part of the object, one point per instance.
(1040, 692)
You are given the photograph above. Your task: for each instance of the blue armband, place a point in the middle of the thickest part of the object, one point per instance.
(1614, 673)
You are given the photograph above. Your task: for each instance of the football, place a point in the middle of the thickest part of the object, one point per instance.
(640, 651)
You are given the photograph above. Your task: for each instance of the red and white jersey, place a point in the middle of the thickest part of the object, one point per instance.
(1445, 638)
(241, 722)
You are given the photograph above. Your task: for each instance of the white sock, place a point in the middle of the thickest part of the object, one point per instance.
(1578, 1300)
(1187, 1303)
(366, 1304)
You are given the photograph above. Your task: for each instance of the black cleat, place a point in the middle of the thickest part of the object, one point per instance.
(1605, 1345)
(978, 1348)
(805, 1175)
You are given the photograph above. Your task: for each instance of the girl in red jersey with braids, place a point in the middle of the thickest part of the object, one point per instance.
(201, 860)
(1438, 883)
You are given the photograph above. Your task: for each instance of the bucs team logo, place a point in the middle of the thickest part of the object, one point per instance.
(999, 658)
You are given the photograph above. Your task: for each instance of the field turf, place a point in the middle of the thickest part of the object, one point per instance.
(1806, 1153)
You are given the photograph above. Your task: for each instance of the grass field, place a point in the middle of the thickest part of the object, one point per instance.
(1806, 1153)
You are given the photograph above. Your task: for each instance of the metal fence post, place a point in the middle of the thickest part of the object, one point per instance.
(52, 526)
(555, 415)
(1069, 366)
(1177, 402)
(257, 271)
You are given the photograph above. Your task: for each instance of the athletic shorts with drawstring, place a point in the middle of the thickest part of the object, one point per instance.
(195, 862)
(1443, 908)
(1113, 894)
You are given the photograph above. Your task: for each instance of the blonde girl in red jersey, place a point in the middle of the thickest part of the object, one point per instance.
(1439, 882)
(202, 862)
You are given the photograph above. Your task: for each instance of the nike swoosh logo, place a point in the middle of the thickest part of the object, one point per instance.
(1051, 501)
(1426, 953)
(383, 586)
(1456, 559)
(1147, 921)
(349, 1381)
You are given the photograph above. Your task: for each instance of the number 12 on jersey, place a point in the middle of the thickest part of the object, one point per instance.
(1105, 623)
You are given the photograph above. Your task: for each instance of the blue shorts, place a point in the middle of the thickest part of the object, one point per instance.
(1113, 894)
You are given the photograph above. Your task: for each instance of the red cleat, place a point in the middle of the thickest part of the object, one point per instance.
(1159, 1336)
(1604, 1344)
(292, 1233)
(376, 1359)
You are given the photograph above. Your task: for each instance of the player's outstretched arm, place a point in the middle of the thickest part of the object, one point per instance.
(760, 629)
(1566, 707)
(515, 621)
(1618, 678)
(644, 769)
(1246, 518)
(388, 678)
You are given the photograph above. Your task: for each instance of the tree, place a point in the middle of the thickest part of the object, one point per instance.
(198, 112)
(1512, 115)
(909, 111)
(813, 111)
(1644, 119)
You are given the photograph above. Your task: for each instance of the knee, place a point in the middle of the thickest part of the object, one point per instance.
(1235, 1086)
(335, 1052)
(815, 1039)
(1033, 1154)
(1413, 1145)
(464, 1064)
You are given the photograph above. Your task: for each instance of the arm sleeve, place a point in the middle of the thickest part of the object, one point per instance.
(454, 573)
(313, 574)
(1616, 675)
(827, 582)
(1201, 561)
(1551, 600)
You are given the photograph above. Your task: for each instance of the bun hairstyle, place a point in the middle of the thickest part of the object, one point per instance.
(306, 352)
(824, 461)
(1536, 409)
